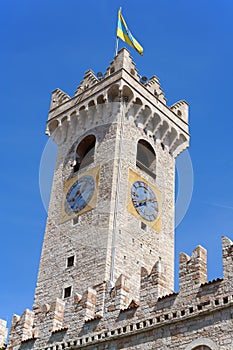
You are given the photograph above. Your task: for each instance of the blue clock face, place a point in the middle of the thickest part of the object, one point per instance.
(79, 194)
(144, 201)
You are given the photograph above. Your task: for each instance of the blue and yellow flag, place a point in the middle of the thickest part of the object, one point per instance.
(124, 34)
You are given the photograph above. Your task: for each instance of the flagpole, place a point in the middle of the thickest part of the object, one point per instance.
(117, 39)
(116, 48)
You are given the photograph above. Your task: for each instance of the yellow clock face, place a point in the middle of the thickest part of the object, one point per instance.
(80, 194)
(144, 201)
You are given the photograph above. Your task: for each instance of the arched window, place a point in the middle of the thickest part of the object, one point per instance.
(146, 158)
(85, 151)
(202, 344)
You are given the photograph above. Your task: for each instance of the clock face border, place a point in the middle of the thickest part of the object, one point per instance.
(79, 194)
(91, 203)
(134, 178)
(144, 201)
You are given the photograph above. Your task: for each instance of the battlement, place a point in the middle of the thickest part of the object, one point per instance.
(95, 99)
(227, 254)
(103, 312)
(3, 333)
(193, 270)
(154, 284)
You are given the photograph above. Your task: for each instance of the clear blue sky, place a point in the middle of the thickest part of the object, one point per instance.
(49, 44)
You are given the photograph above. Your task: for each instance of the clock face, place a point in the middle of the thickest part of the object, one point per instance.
(79, 194)
(144, 201)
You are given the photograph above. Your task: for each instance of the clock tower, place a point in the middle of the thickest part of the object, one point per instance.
(111, 211)
(107, 266)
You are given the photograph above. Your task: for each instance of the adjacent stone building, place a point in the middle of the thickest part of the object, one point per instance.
(106, 276)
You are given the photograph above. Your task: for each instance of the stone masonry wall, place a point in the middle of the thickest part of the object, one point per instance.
(176, 321)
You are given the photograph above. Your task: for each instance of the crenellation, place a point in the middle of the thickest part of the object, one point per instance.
(3, 333)
(153, 85)
(181, 108)
(154, 284)
(58, 98)
(101, 291)
(27, 320)
(88, 303)
(88, 81)
(193, 270)
(123, 61)
(57, 314)
(121, 292)
(21, 328)
(227, 257)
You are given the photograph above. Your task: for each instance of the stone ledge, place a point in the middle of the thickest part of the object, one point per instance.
(132, 305)
(62, 329)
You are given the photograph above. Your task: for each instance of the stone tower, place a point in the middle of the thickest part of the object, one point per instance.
(112, 204)
(106, 272)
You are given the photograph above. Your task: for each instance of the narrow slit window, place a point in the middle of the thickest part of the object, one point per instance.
(67, 292)
(70, 261)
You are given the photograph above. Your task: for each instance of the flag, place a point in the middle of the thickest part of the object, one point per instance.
(124, 33)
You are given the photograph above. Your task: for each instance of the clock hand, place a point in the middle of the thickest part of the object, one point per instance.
(77, 193)
(140, 204)
(144, 200)
(150, 199)
(140, 200)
